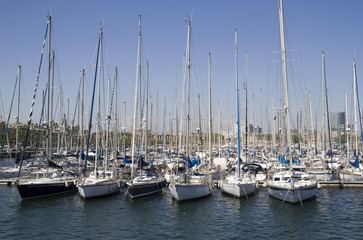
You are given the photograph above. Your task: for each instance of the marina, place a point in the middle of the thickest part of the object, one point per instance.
(116, 155)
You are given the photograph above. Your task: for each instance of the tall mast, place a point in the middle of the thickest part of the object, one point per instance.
(98, 114)
(246, 127)
(326, 99)
(199, 127)
(237, 105)
(346, 123)
(210, 111)
(17, 117)
(51, 106)
(219, 130)
(115, 135)
(136, 96)
(284, 76)
(176, 122)
(358, 105)
(355, 109)
(188, 90)
(49, 152)
(182, 114)
(146, 109)
(82, 111)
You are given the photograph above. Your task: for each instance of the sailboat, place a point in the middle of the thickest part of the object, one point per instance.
(189, 184)
(100, 182)
(146, 181)
(241, 184)
(12, 171)
(323, 172)
(55, 181)
(353, 172)
(289, 185)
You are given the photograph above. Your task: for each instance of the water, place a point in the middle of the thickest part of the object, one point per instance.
(333, 214)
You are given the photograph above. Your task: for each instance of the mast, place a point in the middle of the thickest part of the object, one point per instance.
(210, 112)
(199, 131)
(237, 105)
(115, 136)
(82, 111)
(326, 101)
(246, 122)
(358, 105)
(146, 110)
(49, 151)
(312, 126)
(163, 136)
(346, 123)
(188, 83)
(219, 130)
(324, 107)
(284, 76)
(51, 105)
(182, 114)
(176, 123)
(98, 114)
(17, 117)
(273, 125)
(138, 68)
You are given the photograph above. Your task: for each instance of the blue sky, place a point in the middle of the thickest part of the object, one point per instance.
(331, 25)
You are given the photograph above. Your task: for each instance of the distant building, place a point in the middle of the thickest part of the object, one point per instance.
(337, 121)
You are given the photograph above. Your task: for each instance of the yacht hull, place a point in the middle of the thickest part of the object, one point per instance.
(239, 190)
(99, 189)
(293, 195)
(187, 191)
(34, 190)
(350, 177)
(136, 190)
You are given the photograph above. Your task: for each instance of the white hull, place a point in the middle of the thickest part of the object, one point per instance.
(350, 177)
(187, 191)
(293, 195)
(322, 175)
(238, 189)
(98, 189)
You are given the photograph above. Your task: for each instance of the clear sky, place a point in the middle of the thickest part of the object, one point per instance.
(311, 26)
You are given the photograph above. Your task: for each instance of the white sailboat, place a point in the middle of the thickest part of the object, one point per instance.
(289, 186)
(241, 184)
(352, 171)
(323, 172)
(100, 182)
(190, 184)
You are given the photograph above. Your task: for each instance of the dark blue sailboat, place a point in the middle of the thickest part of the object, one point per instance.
(51, 182)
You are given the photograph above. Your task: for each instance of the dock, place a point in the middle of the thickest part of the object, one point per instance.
(341, 184)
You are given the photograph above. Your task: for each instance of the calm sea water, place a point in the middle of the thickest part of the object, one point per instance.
(333, 214)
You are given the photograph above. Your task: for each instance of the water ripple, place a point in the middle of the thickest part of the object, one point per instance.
(333, 214)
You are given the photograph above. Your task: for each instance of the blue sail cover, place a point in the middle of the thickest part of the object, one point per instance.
(196, 161)
(355, 163)
(127, 161)
(283, 160)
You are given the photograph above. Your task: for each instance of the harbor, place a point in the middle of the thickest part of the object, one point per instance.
(261, 152)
